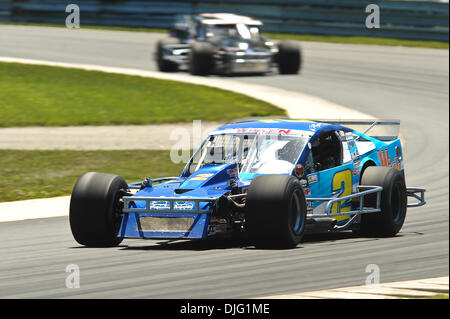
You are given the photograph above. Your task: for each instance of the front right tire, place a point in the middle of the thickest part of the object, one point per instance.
(201, 58)
(289, 57)
(393, 204)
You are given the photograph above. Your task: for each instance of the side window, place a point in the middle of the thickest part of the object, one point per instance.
(346, 156)
(200, 30)
(309, 164)
(327, 151)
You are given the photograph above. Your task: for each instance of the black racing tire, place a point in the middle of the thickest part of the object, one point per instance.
(289, 57)
(275, 211)
(201, 58)
(389, 221)
(165, 65)
(95, 209)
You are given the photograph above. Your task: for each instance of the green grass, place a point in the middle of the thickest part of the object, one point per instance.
(41, 174)
(290, 36)
(440, 296)
(52, 96)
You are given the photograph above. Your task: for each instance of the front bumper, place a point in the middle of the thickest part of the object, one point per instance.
(240, 62)
(166, 217)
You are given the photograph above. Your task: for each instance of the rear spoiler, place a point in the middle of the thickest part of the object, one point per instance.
(383, 130)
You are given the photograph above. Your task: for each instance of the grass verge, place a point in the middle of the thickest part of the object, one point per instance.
(440, 296)
(290, 36)
(52, 96)
(41, 174)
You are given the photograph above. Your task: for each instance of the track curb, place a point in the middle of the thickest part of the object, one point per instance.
(412, 289)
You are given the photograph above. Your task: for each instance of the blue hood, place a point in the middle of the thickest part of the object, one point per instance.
(210, 180)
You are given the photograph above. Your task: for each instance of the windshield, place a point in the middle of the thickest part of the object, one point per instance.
(254, 153)
(232, 31)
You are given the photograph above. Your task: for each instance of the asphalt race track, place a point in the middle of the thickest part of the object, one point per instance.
(387, 82)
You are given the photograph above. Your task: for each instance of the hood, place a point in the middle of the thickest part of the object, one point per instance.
(209, 175)
(210, 180)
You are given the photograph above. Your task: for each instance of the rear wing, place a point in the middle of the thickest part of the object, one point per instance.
(383, 130)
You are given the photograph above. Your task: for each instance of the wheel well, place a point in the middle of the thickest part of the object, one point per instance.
(366, 164)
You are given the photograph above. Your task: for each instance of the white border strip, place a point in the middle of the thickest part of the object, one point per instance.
(34, 209)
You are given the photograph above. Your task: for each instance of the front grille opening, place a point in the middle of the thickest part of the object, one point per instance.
(165, 224)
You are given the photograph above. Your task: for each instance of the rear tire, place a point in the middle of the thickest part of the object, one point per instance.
(289, 57)
(95, 209)
(165, 65)
(389, 221)
(275, 211)
(201, 60)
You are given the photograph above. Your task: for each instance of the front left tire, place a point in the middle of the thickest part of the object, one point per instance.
(275, 211)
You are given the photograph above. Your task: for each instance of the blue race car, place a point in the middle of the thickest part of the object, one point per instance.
(273, 179)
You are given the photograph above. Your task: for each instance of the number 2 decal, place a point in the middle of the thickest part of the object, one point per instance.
(342, 183)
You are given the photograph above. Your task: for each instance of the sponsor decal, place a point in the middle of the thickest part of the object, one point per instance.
(201, 177)
(385, 160)
(216, 226)
(233, 172)
(307, 191)
(303, 183)
(357, 161)
(353, 149)
(264, 130)
(312, 179)
(356, 171)
(315, 126)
